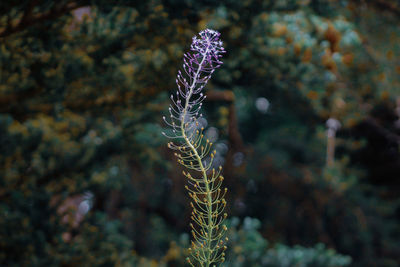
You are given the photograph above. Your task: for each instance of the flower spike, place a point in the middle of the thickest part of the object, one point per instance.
(195, 153)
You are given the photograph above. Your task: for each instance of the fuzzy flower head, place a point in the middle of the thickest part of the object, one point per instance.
(199, 65)
(201, 61)
(208, 44)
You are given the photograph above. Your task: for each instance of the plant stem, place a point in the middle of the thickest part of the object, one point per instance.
(203, 170)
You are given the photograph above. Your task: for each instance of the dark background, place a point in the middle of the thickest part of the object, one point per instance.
(86, 178)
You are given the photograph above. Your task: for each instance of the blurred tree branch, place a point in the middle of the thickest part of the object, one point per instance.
(382, 131)
(235, 138)
(29, 19)
(383, 5)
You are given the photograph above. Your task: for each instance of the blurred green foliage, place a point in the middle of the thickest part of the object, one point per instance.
(249, 248)
(85, 176)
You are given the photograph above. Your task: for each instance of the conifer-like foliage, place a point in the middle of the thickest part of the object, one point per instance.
(82, 85)
(196, 153)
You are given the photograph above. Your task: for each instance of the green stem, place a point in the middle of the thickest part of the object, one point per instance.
(203, 170)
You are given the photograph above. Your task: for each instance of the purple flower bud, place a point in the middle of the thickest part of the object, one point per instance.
(198, 66)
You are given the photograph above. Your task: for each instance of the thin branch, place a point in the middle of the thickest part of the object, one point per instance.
(383, 5)
(235, 138)
(28, 19)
